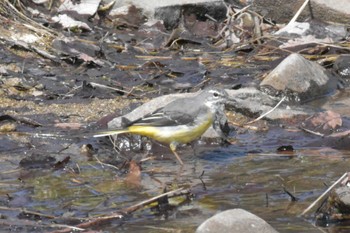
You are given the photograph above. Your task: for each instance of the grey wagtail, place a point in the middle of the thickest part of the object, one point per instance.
(179, 122)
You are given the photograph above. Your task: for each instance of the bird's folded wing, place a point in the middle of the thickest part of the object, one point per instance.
(165, 118)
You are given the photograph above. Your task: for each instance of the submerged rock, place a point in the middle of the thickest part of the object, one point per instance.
(235, 221)
(253, 102)
(342, 67)
(299, 79)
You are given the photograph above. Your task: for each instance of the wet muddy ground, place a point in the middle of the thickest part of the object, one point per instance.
(65, 180)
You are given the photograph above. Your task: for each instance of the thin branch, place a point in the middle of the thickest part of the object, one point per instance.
(25, 211)
(105, 164)
(93, 84)
(268, 112)
(151, 200)
(298, 12)
(23, 16)
(312, 132)
(211, 18)
(292, 197)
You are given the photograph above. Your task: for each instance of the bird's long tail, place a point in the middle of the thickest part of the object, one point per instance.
(71, 135)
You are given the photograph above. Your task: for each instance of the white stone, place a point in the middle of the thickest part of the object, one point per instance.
(235, 221)
(83, 7)
(294, 28)
(149, 6)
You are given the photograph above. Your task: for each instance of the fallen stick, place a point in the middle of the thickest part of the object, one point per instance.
(267, 113)
(298, 12)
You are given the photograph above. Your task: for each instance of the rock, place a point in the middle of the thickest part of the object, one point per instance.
(253, 102)
(81, 7)
(36, 161)
(68, 22)
(341, 199)
(171, 13)
(235, 221)
(299, 79)
(3, 71)
(342, 67)
(314, 32)
(333, 134)
(170, 10)
(71, 14)
(283, 11)
(297, 28)
(323, 123)
(129, 15)
(331, 11)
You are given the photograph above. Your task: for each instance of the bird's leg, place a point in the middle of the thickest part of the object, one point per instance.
(173, 149)
(194, 147)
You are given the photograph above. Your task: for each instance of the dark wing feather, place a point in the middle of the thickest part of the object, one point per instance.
(164, 118)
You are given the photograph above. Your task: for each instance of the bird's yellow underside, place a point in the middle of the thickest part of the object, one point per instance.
(167, 134)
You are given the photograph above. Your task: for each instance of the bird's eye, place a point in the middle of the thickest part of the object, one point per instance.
(216, 94)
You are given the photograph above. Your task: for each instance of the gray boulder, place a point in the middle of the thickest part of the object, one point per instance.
(235, 221)
(323, 10)
(253, 103)
(299, 79)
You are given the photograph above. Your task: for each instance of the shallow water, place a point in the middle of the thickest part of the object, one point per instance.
(248, 174)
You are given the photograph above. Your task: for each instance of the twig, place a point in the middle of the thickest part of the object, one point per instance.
(23, 16)
(133, 208)
(292, 197)
(25, 211)
(66, 226)
(45, 54)
(106, 164)
(298, 12)
(93, 84)
(200, 178)
(241, 11)
(268, 112)
(312, 132)
(147, 158)
(211, 18)
(154, 57)
(323, 195)
(35, 224)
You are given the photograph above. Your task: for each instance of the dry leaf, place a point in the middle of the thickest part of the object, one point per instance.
(134, 176)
